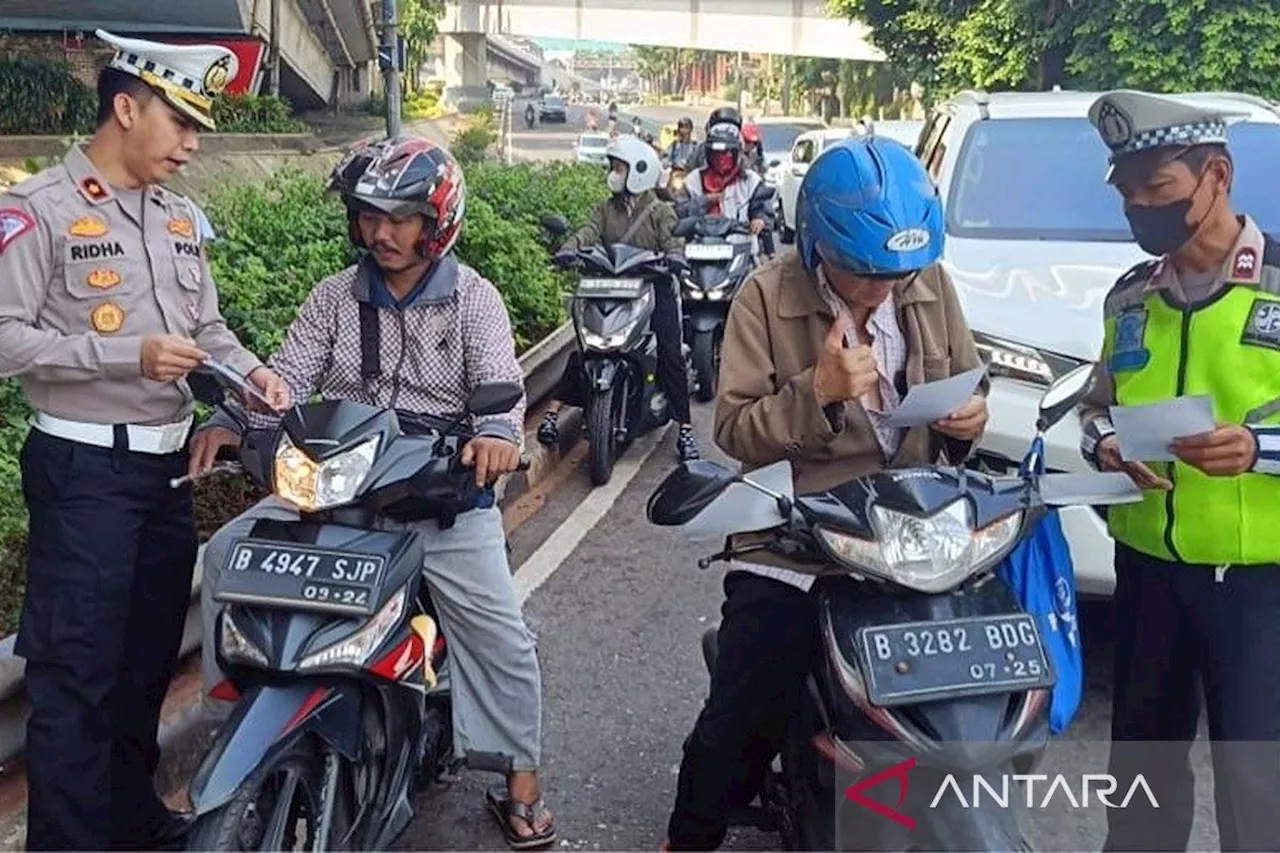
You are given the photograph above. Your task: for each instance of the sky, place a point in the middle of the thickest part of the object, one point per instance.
(570, 44)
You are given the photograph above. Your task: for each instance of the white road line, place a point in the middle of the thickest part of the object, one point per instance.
(552, 553)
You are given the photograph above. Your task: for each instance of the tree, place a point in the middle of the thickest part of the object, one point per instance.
(420, 25)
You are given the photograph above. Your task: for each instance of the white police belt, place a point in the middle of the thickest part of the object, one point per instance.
(159, 440)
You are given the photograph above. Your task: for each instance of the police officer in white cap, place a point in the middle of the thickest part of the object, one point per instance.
(106, 305)
(1197, 562)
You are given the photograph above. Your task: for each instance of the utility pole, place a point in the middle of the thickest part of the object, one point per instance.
(390, 59)
(274, 84)
(742, 83)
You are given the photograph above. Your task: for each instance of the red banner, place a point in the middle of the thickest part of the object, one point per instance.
(249, 52)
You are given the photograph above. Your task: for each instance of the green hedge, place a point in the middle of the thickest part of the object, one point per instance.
(43, 98)
(255, 114)
(276, 240)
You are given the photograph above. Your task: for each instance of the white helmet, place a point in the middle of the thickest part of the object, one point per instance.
(644, 169)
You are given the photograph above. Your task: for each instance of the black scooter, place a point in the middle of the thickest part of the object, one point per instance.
(328, 635)
(617, 356)
(930, 667)
(719, 252)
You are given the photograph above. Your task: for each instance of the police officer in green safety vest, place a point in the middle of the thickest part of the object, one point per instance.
(1197, 601)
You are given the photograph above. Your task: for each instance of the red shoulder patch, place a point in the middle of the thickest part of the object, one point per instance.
(1246, 264)
(13, 224)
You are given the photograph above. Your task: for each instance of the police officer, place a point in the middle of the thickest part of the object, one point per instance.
(107, 304)
(1198, 560)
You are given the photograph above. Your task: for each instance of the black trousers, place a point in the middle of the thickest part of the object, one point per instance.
(111, 552)
(673, 375)
(768, 640)
(1179, 627)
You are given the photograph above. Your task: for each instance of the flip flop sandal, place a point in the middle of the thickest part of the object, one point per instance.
(503, 809)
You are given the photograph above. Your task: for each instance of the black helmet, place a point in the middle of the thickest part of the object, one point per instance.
(725, 115)
(724, 137)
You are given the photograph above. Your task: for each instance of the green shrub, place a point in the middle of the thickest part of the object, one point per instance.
(255, 114)
(471, 142)
(528, 191)
(40, 97)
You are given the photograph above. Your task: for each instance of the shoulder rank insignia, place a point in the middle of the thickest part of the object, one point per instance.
(107, 317)
(92, 189)
(87, 226)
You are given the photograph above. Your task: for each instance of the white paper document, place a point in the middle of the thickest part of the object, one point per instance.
(1095, 488)
(235, 379)
(933, 401)
(1145, 432)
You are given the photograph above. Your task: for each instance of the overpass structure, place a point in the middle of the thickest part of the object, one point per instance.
(793, 27)
(327, 48)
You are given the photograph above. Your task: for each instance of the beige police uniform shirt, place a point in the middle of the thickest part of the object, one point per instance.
(86, 272)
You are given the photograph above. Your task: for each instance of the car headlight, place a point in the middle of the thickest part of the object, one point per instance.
(356, 649)
(1014, 361)
(235, 646)
(925, 554)
(311, 485)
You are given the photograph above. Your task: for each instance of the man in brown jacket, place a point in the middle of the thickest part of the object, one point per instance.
(637, 216)
(819, 348)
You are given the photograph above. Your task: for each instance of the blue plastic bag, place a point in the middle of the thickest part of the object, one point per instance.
(1041, 575)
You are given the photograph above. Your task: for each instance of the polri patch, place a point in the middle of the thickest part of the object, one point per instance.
(1262, 329)
(1129, 352)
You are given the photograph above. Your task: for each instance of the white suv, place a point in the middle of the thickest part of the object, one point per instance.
(1036, 239)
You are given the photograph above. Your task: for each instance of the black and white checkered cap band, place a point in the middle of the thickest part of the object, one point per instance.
(1194, 133)
(153, 67)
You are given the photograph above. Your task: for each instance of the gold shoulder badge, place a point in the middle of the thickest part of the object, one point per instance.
(182, 227)
(107, 317)
(218, 76)
(88, 226)
(103, 279)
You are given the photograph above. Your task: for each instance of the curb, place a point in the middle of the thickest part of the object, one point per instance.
(186, 732)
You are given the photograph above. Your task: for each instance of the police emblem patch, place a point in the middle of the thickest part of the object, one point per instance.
(1128, 353)
(1114, 126)
(13, 224)
(107, 317)
(103, 279)
(87, 226)
(182, 227)
(1262, 329)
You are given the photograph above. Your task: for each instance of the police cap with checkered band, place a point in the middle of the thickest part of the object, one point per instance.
(1144, 131)
(188, 77)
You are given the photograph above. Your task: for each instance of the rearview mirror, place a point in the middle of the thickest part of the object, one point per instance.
(495, 398)
(684, 228)
(1064, 395)
(555, 223)
(686, 492)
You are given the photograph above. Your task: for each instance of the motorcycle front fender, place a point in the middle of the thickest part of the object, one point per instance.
(601, 373)
(707, 317)
(267, 720)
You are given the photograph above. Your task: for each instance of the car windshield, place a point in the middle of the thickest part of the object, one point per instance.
(553, 101)
(1043, 179)
(594, 142)
(778, 138)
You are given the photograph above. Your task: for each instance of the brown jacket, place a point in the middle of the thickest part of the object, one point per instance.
(611, 219)
(766, 409)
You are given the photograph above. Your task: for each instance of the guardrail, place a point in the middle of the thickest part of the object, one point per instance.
(542, 366)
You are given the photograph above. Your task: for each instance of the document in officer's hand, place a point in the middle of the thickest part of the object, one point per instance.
(229, 377)
(1145, 432)
(933, 401)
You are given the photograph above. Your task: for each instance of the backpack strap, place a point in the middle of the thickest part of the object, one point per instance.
(640, 220)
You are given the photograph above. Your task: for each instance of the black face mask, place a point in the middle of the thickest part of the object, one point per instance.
(1162, 229)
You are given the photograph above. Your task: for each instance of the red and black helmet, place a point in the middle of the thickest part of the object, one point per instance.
(401, 177)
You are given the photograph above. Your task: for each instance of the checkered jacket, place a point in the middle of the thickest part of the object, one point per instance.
(456, 335)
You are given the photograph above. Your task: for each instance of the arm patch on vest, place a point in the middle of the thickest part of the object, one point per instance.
(1262, 329)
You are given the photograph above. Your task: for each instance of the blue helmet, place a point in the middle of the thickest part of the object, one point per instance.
(867, 206)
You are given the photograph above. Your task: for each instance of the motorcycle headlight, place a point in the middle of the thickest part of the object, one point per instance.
(235, 646)
(925, 554)
(311, 485)
(619, 326)
(356, 649)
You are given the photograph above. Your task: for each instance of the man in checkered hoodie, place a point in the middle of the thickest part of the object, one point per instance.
(441, 329)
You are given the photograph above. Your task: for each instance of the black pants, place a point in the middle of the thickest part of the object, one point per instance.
(673, 375)
(111, 552)
(1177, 625)
(768, 640)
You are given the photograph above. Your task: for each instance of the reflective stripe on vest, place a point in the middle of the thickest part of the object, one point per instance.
(1230, 351)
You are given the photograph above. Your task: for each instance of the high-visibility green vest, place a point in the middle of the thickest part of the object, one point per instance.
(1228, 349)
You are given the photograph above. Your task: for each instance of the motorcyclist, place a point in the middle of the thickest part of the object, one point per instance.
(637, 126)
(752, 153)
(405, 199)
(530, 114)
(633, 179)
(682, 149)
(723, 187)
(797, 384)
(593, 121)
(722, 115)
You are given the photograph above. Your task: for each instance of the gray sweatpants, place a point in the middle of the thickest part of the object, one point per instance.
(493, 668)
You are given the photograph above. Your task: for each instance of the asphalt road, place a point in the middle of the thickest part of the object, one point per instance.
(554, 141)
(619, 617)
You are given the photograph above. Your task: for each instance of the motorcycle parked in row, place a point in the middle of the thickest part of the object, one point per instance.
(929, 661)
(327, 633)
(721, 254)
(611, 310)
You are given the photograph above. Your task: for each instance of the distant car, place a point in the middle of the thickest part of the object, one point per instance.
(904, 131)
(777, 135)
(553, 108)
(590, 148)
(803, 152)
